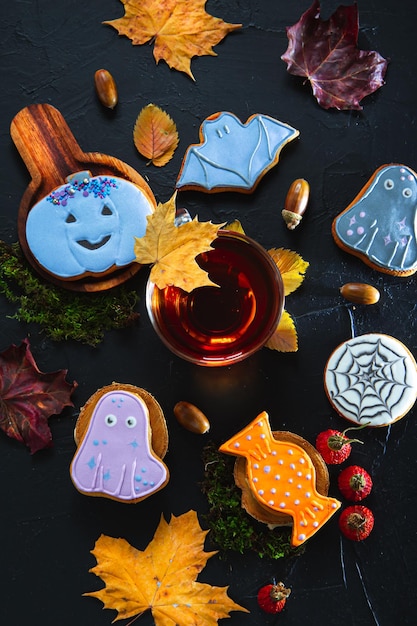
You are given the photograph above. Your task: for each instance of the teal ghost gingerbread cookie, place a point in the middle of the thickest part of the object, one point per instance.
(233, 156)
(380, 225)
(87, 227)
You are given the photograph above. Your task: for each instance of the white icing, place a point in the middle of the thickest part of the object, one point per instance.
(371, 378)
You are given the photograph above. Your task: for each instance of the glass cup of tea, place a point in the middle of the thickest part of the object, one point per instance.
(220, 325)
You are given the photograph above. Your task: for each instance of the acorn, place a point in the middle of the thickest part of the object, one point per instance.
(191, 418)
(360, 293)
(296, 203)
(106, 88)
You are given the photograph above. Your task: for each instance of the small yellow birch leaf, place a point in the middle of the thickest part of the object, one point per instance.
(155, 135)
(172, 250)
(180, 29)
(284, 338)
(162, 578)
(291, 266)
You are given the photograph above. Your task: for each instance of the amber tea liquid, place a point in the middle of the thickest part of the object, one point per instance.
(221, 325)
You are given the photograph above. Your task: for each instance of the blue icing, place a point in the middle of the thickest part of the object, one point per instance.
(381, 225)
(234, 154)
(87, 226)
(91, 463)
(138, 478)
(107, 475)
(96, 442)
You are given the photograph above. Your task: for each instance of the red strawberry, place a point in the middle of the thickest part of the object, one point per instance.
(354, 483)
(334, 446)
(356, 522)
(272, 598)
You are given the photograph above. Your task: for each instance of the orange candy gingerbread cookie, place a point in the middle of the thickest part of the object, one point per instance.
(282, 477)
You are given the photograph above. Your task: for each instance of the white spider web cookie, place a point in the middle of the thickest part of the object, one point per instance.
(371, 379)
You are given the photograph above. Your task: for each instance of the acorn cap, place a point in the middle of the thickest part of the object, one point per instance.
(264, 514)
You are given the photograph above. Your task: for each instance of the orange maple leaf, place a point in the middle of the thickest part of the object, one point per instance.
(180, 29)
(155, 135)
(172, 250)
(162, 578)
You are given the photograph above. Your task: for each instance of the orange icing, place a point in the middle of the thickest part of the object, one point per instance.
(282, 477)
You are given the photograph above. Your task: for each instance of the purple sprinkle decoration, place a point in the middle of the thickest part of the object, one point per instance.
(99, 187)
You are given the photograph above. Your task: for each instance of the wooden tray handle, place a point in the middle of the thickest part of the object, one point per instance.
(46, 145)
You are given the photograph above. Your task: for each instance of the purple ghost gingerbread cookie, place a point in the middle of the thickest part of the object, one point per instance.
(114, 458)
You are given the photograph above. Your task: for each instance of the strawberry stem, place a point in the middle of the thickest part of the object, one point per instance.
(357, 482)
(355, 427)
(336, 442)
(279, 592)
(356, 521)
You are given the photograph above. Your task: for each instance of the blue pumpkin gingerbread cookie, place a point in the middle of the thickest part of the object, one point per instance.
(380, 225)
(87, 227)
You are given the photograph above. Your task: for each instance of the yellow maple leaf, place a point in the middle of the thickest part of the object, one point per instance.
(285, 337)
(180, 29)
(235, 226)
(292, 269)
(172, 250)
(155, 135)
(161, 578)
(291, 266)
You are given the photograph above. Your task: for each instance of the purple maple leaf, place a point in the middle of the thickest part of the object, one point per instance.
(326, 53)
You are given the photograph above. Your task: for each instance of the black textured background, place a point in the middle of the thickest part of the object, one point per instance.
(49, 51)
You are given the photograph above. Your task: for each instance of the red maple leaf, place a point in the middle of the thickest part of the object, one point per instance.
(28, 397)
(326, 53)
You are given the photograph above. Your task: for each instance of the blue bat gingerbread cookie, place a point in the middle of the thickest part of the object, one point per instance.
(233, 156)
(380, 225)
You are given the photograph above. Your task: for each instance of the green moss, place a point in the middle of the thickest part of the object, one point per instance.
(231, 527)
(62, 314)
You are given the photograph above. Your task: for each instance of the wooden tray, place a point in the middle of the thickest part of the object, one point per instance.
(51, 153)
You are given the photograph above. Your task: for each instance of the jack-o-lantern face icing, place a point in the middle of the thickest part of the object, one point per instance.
(380, 225)
(87, 226)
(115, 458)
